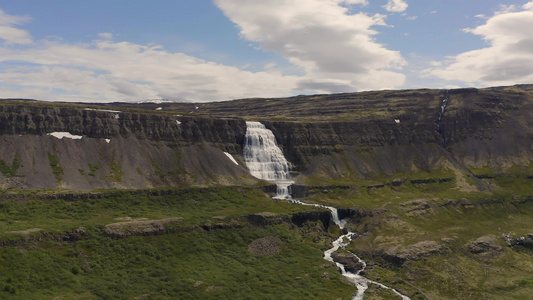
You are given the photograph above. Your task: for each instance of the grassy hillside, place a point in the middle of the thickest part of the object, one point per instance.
(428, 240)
(53, 248)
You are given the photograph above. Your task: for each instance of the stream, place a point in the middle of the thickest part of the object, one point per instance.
(265, 161)
(340, 243)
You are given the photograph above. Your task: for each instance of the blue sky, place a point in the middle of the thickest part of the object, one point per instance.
(203, 50)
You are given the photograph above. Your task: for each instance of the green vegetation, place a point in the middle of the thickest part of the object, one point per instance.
(116, 172)
(10, 170)
(187, 265)
(195, 205)
(56, 168)
(93, 168)
(190, 263)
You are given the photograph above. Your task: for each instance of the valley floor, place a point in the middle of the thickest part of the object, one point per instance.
(428, 241)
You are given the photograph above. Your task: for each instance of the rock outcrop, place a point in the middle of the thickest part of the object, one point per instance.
(115, 149)
(486, 246)
(482, 132)
(265, 246)
(414, 252)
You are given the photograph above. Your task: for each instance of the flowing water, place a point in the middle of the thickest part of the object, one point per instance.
(443, 109)
(264, 158)
(265, 161)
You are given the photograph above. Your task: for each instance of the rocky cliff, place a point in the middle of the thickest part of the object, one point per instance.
(114, 149)
(468, 133)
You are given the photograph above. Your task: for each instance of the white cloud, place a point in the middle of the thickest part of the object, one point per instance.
(111, 71)
(505, 9)
(395, 6)
(10, 34)
(336, 50)
(362, 2)
(105, 35)
(507, 60)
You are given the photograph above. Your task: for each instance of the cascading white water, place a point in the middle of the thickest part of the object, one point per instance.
(442, 109)
(359, 281)
(264, 158)
(265, 161)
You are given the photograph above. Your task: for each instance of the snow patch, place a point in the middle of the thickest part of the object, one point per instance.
(159, 108)
(178, 122)
(231, 157)
(67, 135)
(108, 140)
(397, 121)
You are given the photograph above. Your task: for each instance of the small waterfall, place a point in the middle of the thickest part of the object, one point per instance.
(265, 160)
(440, 129)
(442, 109)
(360, 282)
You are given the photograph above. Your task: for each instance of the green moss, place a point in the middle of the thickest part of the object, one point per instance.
(57, 170)
(82, 171)
(139, 171)
(483, 172)
(93, 168)
(158, 170)
(116, 171)
(10, 170)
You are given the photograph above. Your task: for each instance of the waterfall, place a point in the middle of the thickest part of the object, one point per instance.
(265, 160)
(443, 108)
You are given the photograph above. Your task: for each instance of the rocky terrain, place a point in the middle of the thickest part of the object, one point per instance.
(436, 186)
(368, 135)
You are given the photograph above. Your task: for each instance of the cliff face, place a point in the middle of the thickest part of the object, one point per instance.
(342, 137)
(117, 149)
(489, 127)
(472, 129)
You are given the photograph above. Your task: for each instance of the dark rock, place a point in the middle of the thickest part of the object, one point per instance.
(266, 218)
(350, 262)
(300, 191)
(526, 241)
(299, 219)
(397, 182)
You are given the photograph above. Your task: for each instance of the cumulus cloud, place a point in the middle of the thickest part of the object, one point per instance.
(507, 60)
(335, 52)
(395, 6)
(11, 34)
(116, 71)
(333, 48)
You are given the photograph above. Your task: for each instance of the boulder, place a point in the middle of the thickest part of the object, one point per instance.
(350, 262)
